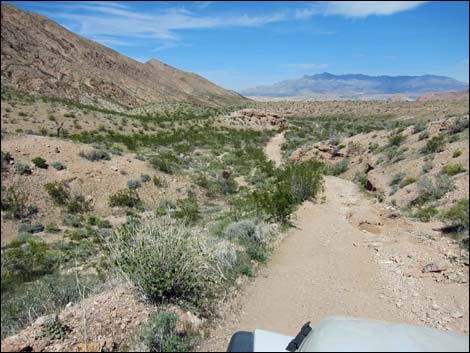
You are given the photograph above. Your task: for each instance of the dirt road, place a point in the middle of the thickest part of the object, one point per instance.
(345, 257)
(273, 149)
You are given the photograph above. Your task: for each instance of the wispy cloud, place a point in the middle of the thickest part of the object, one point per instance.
(368, 8)
(115, 23)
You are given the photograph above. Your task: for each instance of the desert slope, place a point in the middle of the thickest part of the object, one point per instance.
(40, 56)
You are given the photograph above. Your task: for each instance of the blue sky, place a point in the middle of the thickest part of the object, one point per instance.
(245, 44)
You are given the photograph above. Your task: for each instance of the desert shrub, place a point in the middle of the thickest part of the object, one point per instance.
(459, 125)
(257, 252)
(24, 303)
(5, 160)
(159, 334)
(125, 198)
(145, 178)
(133, 184)
(456, 154)
(227, 184)
(304, 179)
(397, 179)
(457, 216)
(71, 220)
(78, 204)
(54, 329)
(427, 167)
(395, 154)
(340, 167)
(276, 201)
(188, 209)
(361, 179)
(420, 126)
(157, 181)
(95, 155)
(39, 162)
(453, 169)
(52, 228)
(396, 139)
(15, 203)
(167, 263)
(244, 230)
(425, 214)
(424, 135)
(435, 144)
(165, 162)
(407, 181)
(22, 168)
(58, 165)
(429, 190)
(57, 191)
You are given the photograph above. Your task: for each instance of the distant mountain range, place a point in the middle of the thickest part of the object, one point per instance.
(356, 86)
(39, 56)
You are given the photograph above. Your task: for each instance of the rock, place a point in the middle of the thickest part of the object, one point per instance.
(191, 321)
(456, 314)
(46, 318)
(435, 306)
(436, 266)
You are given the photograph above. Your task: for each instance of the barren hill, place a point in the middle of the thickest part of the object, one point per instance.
(40, 56)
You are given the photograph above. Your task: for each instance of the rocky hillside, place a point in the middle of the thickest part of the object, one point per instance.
(357, 86)
(40, 56)
(444, 96)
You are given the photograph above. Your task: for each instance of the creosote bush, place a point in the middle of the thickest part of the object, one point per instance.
(125, 198)
(95, 155)
(40, 162)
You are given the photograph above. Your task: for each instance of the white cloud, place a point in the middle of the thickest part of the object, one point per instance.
(368, 8)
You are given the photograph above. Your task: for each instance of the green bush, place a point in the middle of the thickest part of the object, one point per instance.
(159, 334)
(429, 190)
(395, 154)
(188, 210)
(60, 196)
(304, 179)
(246, 230)
(420, 126)
(425, 214)
(396, 139)
(54, 329)
(125, 198)
(397, 179)
(167, 263)
(407, 181)
(165, 162)
(15, 203)
(256, 252)
(78, 204)
(58, 165)
(22, 169)
(424, 135)
(457, 216)
(427, 167)
(459, 125)
(340, 167)
(435, 144)
(453, 169)
(456, 154)
(23, 303)
(157, 181)
(277, 201)
(133, 184)
(145, 178)
(39, 162)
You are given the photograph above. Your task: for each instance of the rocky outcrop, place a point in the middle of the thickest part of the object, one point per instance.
(259, 117)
